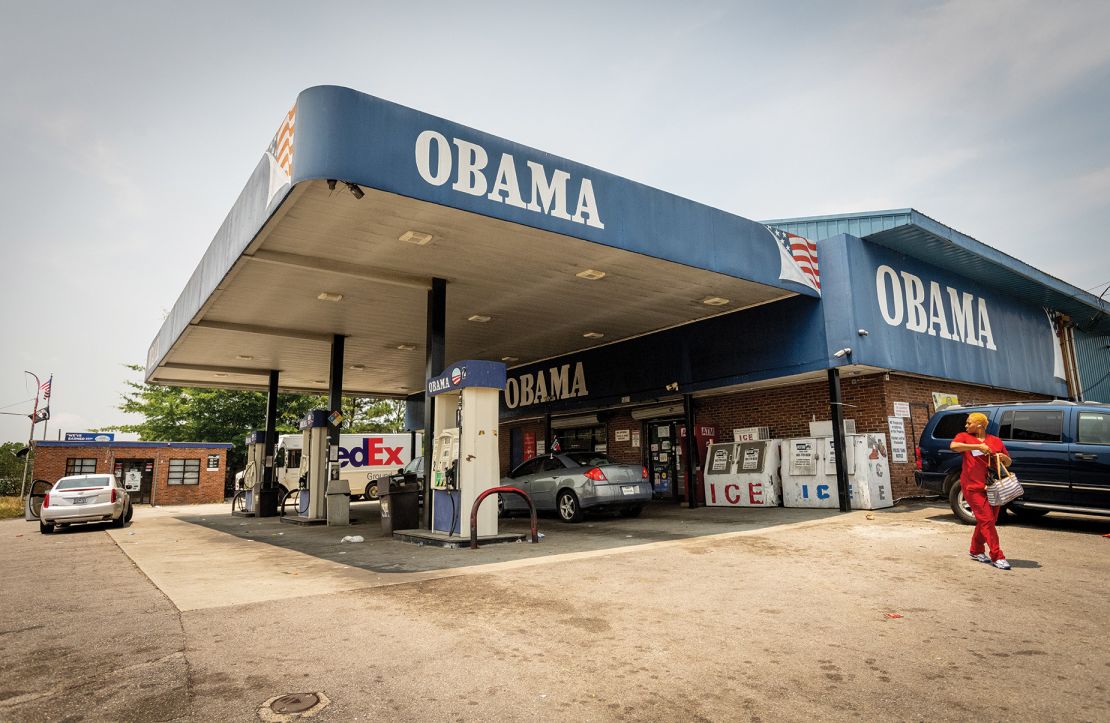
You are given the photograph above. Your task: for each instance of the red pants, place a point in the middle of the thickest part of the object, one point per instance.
(985, 517)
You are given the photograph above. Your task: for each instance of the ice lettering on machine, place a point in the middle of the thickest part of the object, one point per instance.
(437, 159)
(951, 315)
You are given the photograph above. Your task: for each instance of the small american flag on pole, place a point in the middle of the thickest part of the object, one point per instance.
(799, 258)
(45, 388)
(281, 148)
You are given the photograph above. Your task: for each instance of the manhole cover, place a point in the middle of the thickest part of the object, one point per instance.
(294, 703)
(292, 707)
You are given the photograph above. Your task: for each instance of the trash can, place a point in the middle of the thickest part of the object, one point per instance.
(400, 505)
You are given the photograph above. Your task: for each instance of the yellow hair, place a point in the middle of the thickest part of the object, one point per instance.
(978, 417)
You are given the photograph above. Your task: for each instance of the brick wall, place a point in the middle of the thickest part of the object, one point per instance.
(868, 399)
(50, 465)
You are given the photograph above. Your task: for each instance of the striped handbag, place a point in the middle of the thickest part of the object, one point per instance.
(1005, 489)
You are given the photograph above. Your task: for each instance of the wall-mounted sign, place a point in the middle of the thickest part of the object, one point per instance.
(751, 434)
(623, 435)
(541, 446)
(635, 438)
(213, 461)
(898, 451)
(90, 436)
(529, 445)
(902, 409)
(944, 399)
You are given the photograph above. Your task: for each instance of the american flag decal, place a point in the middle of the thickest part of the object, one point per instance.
(281, 148)
(798, 256)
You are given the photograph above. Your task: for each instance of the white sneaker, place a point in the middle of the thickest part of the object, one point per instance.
(1001, 564)
(981, 557)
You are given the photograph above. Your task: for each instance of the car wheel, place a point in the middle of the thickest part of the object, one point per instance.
(569, 509)
(959, 505)
(633, 511)
(1027, 513)
(46, 527)
(500, 506)
(371, 490)
(121, 520)
(130, 511)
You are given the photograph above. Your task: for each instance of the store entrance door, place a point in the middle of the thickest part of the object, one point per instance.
(662, 459)
(137, 477)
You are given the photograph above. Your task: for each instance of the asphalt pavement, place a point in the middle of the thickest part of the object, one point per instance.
(680, 615)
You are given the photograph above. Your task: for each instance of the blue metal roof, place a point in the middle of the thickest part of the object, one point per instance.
(914, 234)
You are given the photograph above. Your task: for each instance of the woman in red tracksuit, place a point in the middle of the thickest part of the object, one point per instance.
(980, 451)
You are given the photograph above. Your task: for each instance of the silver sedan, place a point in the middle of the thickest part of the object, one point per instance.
(574, 482)
(84, 498)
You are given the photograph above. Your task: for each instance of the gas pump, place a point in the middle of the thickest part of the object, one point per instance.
(311, 503)
(465, 454)
(252, 473)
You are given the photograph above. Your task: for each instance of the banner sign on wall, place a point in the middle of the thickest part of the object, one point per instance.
(90, 437)
(923, 319)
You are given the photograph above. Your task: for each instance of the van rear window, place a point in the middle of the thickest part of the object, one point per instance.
(950, 425)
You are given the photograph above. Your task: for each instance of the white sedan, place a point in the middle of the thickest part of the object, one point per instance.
(84, 498)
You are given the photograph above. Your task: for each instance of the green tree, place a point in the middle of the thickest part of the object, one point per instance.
(11, 468)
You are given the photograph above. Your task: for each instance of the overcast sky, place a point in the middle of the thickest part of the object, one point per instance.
(128, 129)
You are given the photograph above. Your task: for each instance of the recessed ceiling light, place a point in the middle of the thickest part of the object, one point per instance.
(591, 274)
(244, 357)
(219, 374)
(329, 296)
(593, 335)
(510, 358)
(407, 347)
(478, 318)
(357, 367)
(415, 237)
(714, 301)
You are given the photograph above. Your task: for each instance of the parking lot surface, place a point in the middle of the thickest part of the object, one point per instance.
(682, 614)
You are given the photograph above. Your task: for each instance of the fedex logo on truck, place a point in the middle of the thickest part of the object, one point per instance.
(372, 453)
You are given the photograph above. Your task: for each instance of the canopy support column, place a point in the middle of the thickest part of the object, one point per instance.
(434, 345)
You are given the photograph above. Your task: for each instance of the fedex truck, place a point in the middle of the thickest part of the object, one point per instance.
(363, 459)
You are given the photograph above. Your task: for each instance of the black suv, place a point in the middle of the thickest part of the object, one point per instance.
(1061, 453)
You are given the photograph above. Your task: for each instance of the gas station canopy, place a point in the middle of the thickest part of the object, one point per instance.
(359, 204)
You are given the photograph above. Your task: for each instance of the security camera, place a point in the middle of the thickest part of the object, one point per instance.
(846, 351)
(862, 332)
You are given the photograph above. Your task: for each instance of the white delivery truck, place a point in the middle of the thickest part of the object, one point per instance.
(363, 459)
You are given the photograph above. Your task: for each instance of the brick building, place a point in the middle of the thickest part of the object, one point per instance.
(156, 473)
(785, 410)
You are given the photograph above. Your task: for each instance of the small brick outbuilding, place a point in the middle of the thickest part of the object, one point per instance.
(156, 473)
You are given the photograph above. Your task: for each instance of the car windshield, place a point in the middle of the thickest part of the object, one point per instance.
(73, 483)
(413, 464)
(589, 459)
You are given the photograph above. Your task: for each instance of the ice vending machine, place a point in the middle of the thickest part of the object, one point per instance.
(743, 474)
(806, 479)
